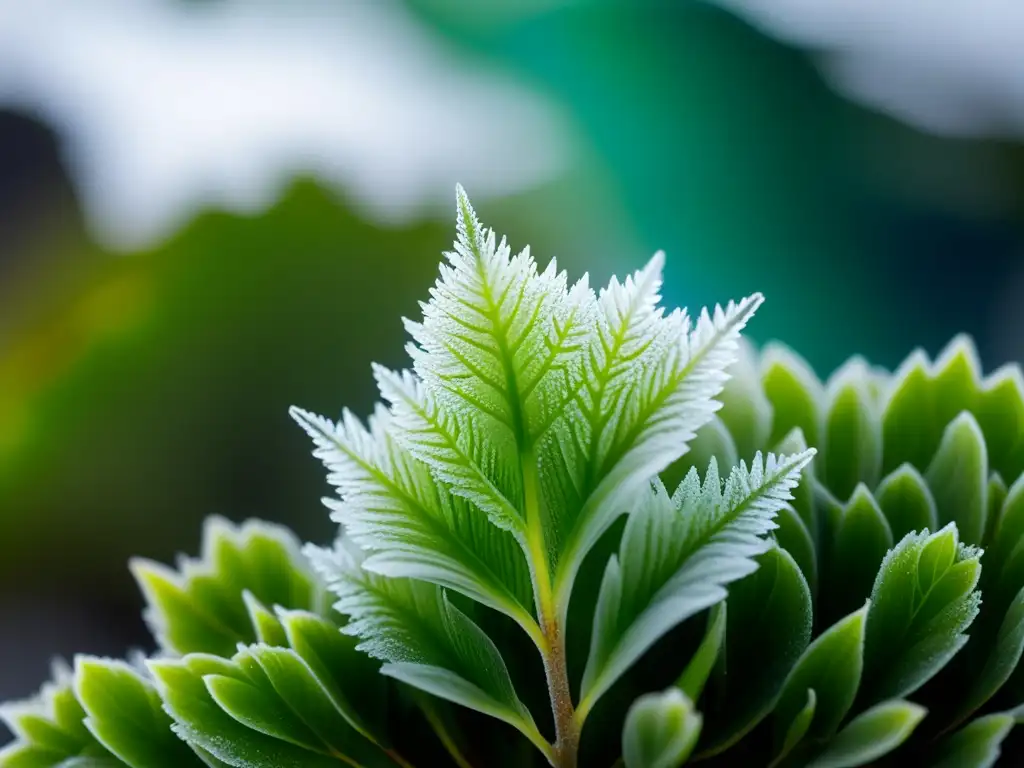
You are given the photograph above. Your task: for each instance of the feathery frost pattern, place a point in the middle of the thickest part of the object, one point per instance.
(535, 413)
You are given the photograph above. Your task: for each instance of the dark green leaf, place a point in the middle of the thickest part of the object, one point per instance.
(831, 666)
(697, 672)
(769, 626)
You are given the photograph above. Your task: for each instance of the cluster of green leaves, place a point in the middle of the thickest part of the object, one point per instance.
(883, 626)
(512, 565)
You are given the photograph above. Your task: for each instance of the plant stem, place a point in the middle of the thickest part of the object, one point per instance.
(567, 733)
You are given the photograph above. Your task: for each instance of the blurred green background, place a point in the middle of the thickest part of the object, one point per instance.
(160, 308)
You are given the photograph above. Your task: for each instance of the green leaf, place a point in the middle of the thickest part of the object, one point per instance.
(871, 735)
(201, 608)
(125, 715)
(907, 502)
(769, 627)
(793, 536)
(202, 722)
(713, 441)
(746, 412)
(649, 385)
(910, 434)
(413, 526)
(701, 664)
(660, 731)
(426, 641)
(976, 745)
(923, 601)
(349, 677)
(268, 627)
(831, 666)
(794, 392)
(1000, 413)
(1000, 660)
(861, 542)
(675, 558)
(958, 477)
(804, 494)
(853, 437)
(311, 699)
(797, 728)
(1004, 564)
(49, 728)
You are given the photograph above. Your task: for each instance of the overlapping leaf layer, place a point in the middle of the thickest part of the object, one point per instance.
(567, 513)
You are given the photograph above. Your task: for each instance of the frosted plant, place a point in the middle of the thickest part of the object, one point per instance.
(552, 551)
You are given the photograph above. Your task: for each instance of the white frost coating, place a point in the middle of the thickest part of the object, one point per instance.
(166, 107)
(952, 67)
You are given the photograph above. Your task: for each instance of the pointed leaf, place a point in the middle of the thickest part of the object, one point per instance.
(798, 727)
(871, 735)
(907, 502)
(701, 664)
(413, 526)
(976, 745)
(1000, 660)
(770, 619)
(650, 384)
(922, 602)
(831, 666)
(125, 715)
(853, 437)
(427, 642)
(794, 392)
(676, 556)
(958, 477)
(860, 544)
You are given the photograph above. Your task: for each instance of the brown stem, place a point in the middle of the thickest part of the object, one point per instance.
(567, 733)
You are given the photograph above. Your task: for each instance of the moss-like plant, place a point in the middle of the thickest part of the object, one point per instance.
(514, 583)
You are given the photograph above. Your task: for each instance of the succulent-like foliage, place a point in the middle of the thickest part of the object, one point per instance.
(567, 514)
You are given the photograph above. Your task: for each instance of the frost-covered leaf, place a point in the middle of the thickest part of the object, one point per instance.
(647, 386)
(413, 526)
(49, 729)
(425, 640)
(871, 735)
(202, 722)
(125, 714)
(661, 730)
(922, 602)
(676, 556)
(200, 607)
